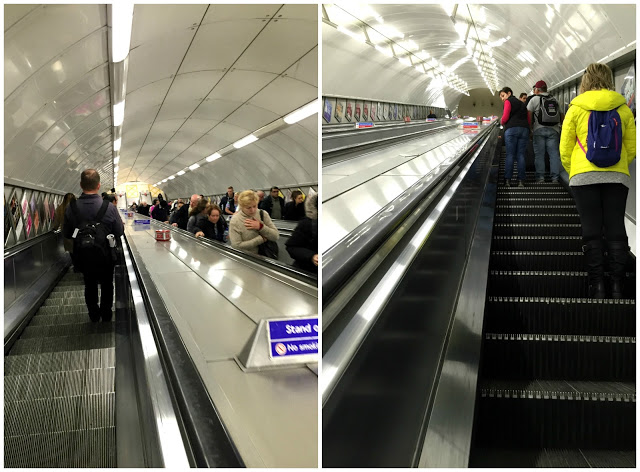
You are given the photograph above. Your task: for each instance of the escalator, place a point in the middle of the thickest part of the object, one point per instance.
(557, 380)
(59, 378)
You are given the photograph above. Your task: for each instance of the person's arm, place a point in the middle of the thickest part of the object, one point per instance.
(235, 236)
(568, 141)
(118, 227)
(68, 226)
(191, 224)
(506, 112)
(268, 229)
(297, 245)
(629, 136)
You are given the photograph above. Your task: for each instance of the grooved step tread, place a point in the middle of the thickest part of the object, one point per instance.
(552, 458)
(539, 389)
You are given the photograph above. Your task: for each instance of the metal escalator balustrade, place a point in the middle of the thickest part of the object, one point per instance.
(557, 382)
(60, 386)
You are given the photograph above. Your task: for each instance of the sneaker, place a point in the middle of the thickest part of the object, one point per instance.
(540, 180)
(554, 181)
(507, 183)
(520, 183)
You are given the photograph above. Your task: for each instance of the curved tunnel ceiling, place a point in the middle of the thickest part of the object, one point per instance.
(199, 78)
(554, 42)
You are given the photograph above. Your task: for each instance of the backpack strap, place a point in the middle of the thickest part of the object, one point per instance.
(103, 210)
(261, 217)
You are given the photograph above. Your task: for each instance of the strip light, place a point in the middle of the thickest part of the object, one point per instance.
(214, 156)
(300, 114)
(122, 17)
(244, 141)
(194, 166)
(181, 172)
(118, 113)
(116, 144)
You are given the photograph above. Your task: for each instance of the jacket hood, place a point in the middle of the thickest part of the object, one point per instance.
(599, 100)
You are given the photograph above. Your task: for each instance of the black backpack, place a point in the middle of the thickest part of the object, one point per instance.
(90, 245)
(549, 111)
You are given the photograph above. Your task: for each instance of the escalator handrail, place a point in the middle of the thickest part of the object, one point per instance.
(171, 444)
(17, 249)
(272, 264)
(208, 439)
(346, 256)
(339, 356)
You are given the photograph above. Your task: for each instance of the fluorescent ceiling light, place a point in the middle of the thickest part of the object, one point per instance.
(122, 18)
(214, 156)
(118, 113)
(389, 31)
(116, 160)
(194, 166)
(448, 8)
(526, 56)
(181, 172)
(116, 144)
(385, 50)
(172, 177)
(302, 113)
(524, 72)
(165, 180)
(246, 140)
(423, 55)
(357, 36)
(405, 60)
(116, 169)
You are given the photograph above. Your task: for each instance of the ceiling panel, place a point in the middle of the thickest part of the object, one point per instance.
(186, 93)
(215, 109)
(251, 117)
(274, 50)
(306, 69)
(235, 12)
(240, 85)
(284, 95)
(151, 22)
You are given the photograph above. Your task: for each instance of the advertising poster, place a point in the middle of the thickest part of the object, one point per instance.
(628, 90)
(52, 209)
(326, 113)
(25, 204)
(46, 208)
(380, 111)
(566, 100)
(372, 113)
(395, 111)
(28, 225)
(36, 220)
(349, 113)
(365, 111)
(357, 115)
(132, 191)
(339, 111)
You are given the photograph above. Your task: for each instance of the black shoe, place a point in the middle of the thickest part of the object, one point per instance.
(618, 256)
(94, 316)
(595, 268)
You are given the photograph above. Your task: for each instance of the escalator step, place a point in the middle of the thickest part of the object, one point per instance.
(548, 458)
(507, 193)
(66, 343)
(50, 320)
(537, 243)
(532, 218)
(66, 293)
(78, 329)
(523, 209)
(558, 414)
(62, 310)
(560, 316)
(558, 356)
(17, 365)
(537, 260)
(536, 229)
(556, 284)
(64, 301)
(509, 198)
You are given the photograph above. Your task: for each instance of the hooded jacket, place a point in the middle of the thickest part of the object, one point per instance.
(576, 123)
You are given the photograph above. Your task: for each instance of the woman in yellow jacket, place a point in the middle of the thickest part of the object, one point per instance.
(600, 193)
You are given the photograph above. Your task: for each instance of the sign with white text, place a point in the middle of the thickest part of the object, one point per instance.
(293, 337)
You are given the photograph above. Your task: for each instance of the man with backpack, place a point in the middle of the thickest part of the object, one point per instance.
(544, 113)
(91, 223)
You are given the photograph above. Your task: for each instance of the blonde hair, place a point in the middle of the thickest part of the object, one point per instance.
(246, 198)
(596, 77)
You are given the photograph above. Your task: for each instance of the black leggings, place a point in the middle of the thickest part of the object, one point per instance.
(601, 205)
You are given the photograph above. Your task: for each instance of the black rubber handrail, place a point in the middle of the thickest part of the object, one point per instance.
(13, 250)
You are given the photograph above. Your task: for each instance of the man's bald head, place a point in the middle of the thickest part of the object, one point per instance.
(90, 180)
(194, 200)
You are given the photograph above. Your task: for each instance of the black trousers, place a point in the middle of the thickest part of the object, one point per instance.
(601, 208)
(104, 277)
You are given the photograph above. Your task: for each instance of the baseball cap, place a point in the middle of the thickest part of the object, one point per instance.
(540, 84)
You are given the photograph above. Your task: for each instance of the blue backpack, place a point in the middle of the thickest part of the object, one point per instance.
(604, 138)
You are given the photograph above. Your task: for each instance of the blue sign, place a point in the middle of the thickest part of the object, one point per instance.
(293, 337)
(326, 114)
(364, 124)
(141, 225)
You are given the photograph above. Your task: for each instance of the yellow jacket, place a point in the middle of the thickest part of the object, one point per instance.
(574, 160)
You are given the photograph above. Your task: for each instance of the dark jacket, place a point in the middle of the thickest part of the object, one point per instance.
(303, 244)
(161, 212)
(267, 204)
(182, 216)
(88, 208)
(294, 212)
(223, 203)
(144, 210)
(210, 230)
(515, 114)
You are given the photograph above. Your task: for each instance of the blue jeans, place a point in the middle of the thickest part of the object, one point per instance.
(546, 139)
(515, 140)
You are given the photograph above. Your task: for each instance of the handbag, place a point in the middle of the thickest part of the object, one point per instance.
(268, 248)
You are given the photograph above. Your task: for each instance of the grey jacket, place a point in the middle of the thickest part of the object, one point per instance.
(247, 239)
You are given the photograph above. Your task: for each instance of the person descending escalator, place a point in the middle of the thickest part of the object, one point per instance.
(516, 132)
(211, 224)
(302, 246)
(597, 144)
(89, 221)
(251, 229)
(294, 210)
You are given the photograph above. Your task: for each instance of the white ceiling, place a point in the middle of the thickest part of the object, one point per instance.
(562, 39)
(199, 78)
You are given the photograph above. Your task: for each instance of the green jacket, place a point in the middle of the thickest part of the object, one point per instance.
(574, 160)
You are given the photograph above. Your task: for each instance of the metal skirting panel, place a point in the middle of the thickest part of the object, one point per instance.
(60, 387)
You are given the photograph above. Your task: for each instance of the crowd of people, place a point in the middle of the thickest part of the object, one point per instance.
(595, 143)
(251, 226)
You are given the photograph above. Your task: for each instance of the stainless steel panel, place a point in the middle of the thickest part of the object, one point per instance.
(257, 403)
(9, 283)
(28, 266)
